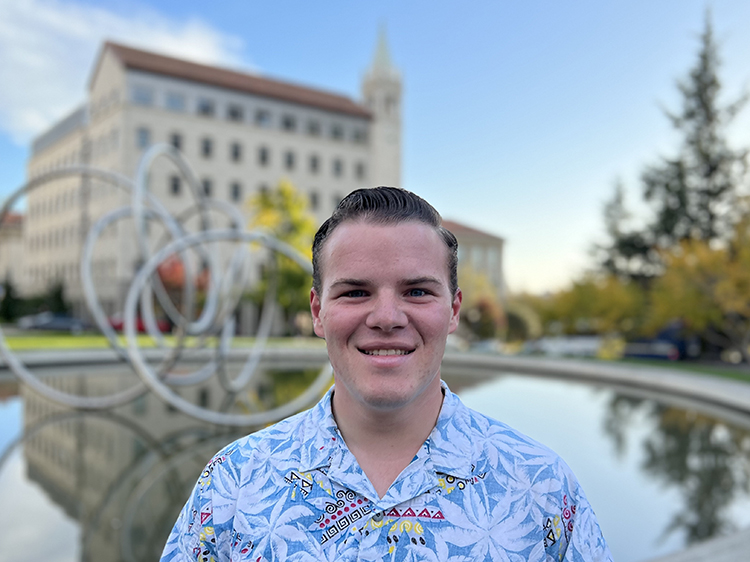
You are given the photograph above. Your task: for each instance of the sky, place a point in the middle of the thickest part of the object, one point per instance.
(518, 117)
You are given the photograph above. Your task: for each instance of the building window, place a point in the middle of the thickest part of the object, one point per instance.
(336, 200)
(337, 132)
(206, 107)
(289, 160)
(314, 200)
(313, 128)
(477, 258)
(175, 185)
(338, 167)
(263, 189)
(207, 147)
(360, 170)
(235, 152)
(360, 136)
(264, 156)
(175, 101)
(288, 123)
(263, 118)
(203, 397)
(143, 137)
(235, 192)
(235, 113)
(175, 139)
(314, 164)
(142, 95)
(207, 187)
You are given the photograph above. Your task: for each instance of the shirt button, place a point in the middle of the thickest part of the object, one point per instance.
(378, 517)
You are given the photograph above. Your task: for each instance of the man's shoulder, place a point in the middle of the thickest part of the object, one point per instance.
(487, 432)
(282, 438)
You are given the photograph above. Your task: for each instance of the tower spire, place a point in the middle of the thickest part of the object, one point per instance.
(381, 92)
(381, 62)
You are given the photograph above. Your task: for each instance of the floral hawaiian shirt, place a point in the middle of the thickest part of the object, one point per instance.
(476, 490)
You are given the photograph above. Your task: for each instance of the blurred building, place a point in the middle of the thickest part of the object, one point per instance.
(11, 247)
(241, 133)
(482, 253)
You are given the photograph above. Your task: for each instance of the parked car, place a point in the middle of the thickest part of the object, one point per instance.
(671, 343)
(118, 323)
(52, 322)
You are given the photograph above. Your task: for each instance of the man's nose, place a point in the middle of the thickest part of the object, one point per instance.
(387, 313)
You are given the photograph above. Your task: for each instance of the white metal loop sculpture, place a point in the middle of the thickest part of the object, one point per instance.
(225, 285)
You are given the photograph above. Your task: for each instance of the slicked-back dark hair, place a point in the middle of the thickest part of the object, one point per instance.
(385, 205)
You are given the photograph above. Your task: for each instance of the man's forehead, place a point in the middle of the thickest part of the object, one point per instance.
(403, 234)
(356, 246)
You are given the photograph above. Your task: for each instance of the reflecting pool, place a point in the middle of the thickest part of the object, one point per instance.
(108, 486)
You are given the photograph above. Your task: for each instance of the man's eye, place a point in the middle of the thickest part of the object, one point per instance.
(356, 293)
(417, 292)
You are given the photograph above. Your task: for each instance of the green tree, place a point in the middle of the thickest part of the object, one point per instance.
(54, 299)
(692, 193)
(11, 306)
(283, 212)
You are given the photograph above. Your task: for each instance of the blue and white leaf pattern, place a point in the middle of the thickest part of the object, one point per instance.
(476, 491)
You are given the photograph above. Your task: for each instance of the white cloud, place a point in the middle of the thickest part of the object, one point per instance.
(48, 47)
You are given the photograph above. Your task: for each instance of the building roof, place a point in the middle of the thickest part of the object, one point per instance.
(68, 124)
(146, 61)
(461, 230)
(13, 219)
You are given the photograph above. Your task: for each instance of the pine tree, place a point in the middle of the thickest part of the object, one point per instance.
(694, 193)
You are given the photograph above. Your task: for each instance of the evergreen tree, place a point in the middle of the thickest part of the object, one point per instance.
(10, 305)
(694, 193)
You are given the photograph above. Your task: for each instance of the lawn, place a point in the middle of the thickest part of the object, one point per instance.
(58, 341)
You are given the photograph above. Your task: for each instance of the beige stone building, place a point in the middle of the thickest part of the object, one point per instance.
(481, 252)
(242, 133)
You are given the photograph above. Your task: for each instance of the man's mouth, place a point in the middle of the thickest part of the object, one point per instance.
(387, 351)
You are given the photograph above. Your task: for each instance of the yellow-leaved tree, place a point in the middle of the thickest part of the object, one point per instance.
(481, 309)
(708, 288)
(283, 212)
(594, 305)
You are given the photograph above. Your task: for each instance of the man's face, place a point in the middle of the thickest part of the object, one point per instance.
(385, 310)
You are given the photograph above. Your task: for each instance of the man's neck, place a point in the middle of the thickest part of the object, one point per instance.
(385, 441)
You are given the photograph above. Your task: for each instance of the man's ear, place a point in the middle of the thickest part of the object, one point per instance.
(455, 311)
(315, 311)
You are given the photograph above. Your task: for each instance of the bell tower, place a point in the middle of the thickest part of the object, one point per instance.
(381, 90)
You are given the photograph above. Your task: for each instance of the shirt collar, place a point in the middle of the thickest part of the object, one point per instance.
(319, 435)
(449, 445)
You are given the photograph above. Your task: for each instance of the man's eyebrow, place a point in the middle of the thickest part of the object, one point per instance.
(423, 281)
(351, 282)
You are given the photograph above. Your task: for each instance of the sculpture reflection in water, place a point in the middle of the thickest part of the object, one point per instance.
(705, 460)
(124, 474)
(217, 257)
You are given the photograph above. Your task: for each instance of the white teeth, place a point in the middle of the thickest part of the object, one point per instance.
(387, 352)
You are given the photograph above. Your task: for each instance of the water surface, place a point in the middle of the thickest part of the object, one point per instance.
(108, 486)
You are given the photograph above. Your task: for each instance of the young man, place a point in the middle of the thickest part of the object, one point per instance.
(389, 465)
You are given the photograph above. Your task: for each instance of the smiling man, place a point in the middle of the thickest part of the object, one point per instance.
(389, 465)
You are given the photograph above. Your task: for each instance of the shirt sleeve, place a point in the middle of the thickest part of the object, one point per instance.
(203, 519)
(585, 539)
